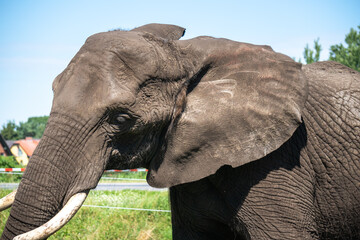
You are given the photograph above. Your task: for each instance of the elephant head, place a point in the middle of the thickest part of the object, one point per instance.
(143, 98)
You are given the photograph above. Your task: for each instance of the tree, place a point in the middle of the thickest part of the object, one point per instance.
(350, 55)
(34, 127)
(8, 162)
(309, 54)
(9, 131)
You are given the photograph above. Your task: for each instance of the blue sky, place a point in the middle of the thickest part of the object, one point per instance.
(39, 38)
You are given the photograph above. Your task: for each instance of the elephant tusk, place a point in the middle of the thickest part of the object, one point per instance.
(58, 221)
(7, 201)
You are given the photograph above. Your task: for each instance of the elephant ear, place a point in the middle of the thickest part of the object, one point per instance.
(245, 103)
(166, 31)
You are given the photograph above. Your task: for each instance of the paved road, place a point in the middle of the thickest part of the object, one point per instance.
(8, 185)
(122, 186)
(103, 186)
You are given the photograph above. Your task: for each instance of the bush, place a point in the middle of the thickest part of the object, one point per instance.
(9, 162)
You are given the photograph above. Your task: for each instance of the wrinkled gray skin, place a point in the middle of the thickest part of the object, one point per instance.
(251, 144)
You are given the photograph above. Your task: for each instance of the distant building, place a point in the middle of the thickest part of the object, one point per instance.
(23, 149)
(4, 148)
(10, 143)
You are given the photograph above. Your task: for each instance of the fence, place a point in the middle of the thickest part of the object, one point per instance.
(111, 180)
(120, 171)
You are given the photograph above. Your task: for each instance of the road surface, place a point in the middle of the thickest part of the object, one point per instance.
(103, 186)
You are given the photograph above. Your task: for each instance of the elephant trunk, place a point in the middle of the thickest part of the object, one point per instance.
(58, 221)
(36, 201)
(56, 172)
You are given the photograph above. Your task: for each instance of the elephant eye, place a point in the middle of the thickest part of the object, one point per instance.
(122, 118)
(120, 121)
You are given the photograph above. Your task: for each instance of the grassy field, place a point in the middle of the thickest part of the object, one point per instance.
(10, 178)
(98, 223)
(109, 177)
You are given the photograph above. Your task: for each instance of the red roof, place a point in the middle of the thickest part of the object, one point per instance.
(28, 144)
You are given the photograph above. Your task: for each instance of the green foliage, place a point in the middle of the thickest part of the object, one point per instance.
(98, 223)
(111, 177)
(10, 178)
(9, 131)
(9, 162)
(309, 53)
(350, 55)
(33, 127)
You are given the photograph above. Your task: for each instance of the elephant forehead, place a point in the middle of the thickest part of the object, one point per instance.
(103, 73)
(85, 98)
(93, 82)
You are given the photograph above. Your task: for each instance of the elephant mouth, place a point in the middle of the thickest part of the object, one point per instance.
(157, 153)
(140, 153)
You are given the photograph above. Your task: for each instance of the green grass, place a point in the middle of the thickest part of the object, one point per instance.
(123, 177)
(97, 223)
(138, 175)
(10, 178)
(9, 162)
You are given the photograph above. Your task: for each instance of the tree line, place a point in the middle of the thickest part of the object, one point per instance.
(33, 127)
(349, 55)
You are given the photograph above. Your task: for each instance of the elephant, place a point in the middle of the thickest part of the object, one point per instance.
(250, 143)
